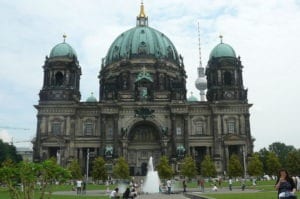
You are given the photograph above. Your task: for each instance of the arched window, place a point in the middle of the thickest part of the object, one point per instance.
(227, 78)
(88, 127)
(231, 126)
(59, 78)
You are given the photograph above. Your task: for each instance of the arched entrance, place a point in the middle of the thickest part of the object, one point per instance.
(143, 142)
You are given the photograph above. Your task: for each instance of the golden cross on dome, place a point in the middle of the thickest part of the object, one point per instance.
(64, 36)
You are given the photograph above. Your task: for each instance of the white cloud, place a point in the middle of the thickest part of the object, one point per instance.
(4, 135)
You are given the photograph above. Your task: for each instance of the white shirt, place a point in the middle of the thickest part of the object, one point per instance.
(79, 182)
(169, 183)
(113, 194)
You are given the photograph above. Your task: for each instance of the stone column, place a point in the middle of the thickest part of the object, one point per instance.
(81, 162)
(186, 134)
(173, 134)
(207, 151)
(116, 136)
(103, 134)
(225, 166)
(68, 125)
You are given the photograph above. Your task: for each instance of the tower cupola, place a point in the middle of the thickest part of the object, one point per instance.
(61, 74)
(224, 75)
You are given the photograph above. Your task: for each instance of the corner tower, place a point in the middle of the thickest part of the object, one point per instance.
(61, 75)
(224, 75)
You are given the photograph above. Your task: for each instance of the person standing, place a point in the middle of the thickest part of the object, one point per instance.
(230, 184)
(78, 186)
(184, 185)
(169, 183)
(243, 184)
(285, 185)
(202, 185)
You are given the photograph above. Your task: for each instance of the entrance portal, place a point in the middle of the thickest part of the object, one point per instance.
(144, 169)
(143, 142)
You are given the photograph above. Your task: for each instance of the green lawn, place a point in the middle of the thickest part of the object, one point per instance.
(265, 188)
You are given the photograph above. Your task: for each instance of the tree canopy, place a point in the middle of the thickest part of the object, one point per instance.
(164, 169)
(8, 151)
(188, 167)
(255, 166)
(121, 169)
(208, 168)
(99, 170)
(235, 166)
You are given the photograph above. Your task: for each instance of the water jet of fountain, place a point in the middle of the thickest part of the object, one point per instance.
(152, 181)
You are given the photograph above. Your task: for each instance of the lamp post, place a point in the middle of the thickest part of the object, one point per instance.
(87, 164)
(244, 161)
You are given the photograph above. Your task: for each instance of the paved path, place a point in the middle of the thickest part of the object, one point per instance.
(178, 195)
(144, 196)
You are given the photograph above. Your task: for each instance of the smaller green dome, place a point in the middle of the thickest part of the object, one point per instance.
(91, 98)
(63, 50)
(192, 98)
(222, 50)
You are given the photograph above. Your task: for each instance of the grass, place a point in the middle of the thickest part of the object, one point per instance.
(265, 191)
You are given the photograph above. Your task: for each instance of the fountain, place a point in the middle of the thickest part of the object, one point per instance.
(152, 181)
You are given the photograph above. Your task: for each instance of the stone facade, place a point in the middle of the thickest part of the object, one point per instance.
(142, 112)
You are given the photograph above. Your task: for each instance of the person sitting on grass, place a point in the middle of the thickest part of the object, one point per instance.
(114, 194)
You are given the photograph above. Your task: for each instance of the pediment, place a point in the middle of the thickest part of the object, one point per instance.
(232, 137)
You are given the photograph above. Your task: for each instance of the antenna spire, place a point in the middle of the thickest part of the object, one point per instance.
(199, 43)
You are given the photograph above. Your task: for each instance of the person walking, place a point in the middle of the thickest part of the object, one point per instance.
(230, 184)
(169, 183)
(184, 185)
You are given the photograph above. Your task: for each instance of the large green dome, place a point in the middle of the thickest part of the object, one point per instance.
(141, 41)
(222, 50)
(63, 50)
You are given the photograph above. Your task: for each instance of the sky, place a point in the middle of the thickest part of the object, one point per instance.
(264, 33)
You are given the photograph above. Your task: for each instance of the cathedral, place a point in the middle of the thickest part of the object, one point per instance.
(143, 110)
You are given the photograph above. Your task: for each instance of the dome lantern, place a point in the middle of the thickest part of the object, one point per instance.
(142, 19)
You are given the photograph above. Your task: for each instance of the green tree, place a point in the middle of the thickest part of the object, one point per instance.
(263, 153)
(8, 152)
(164, 169)
(272, 163)
(9, 176)
(255, 166)
(235, 168)
(208, 168)
(99, 170)
(281, 150)
(75, 169)
(188, 167)
(121, 169)
(27, 174)
(51, 172)
(293, 162)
